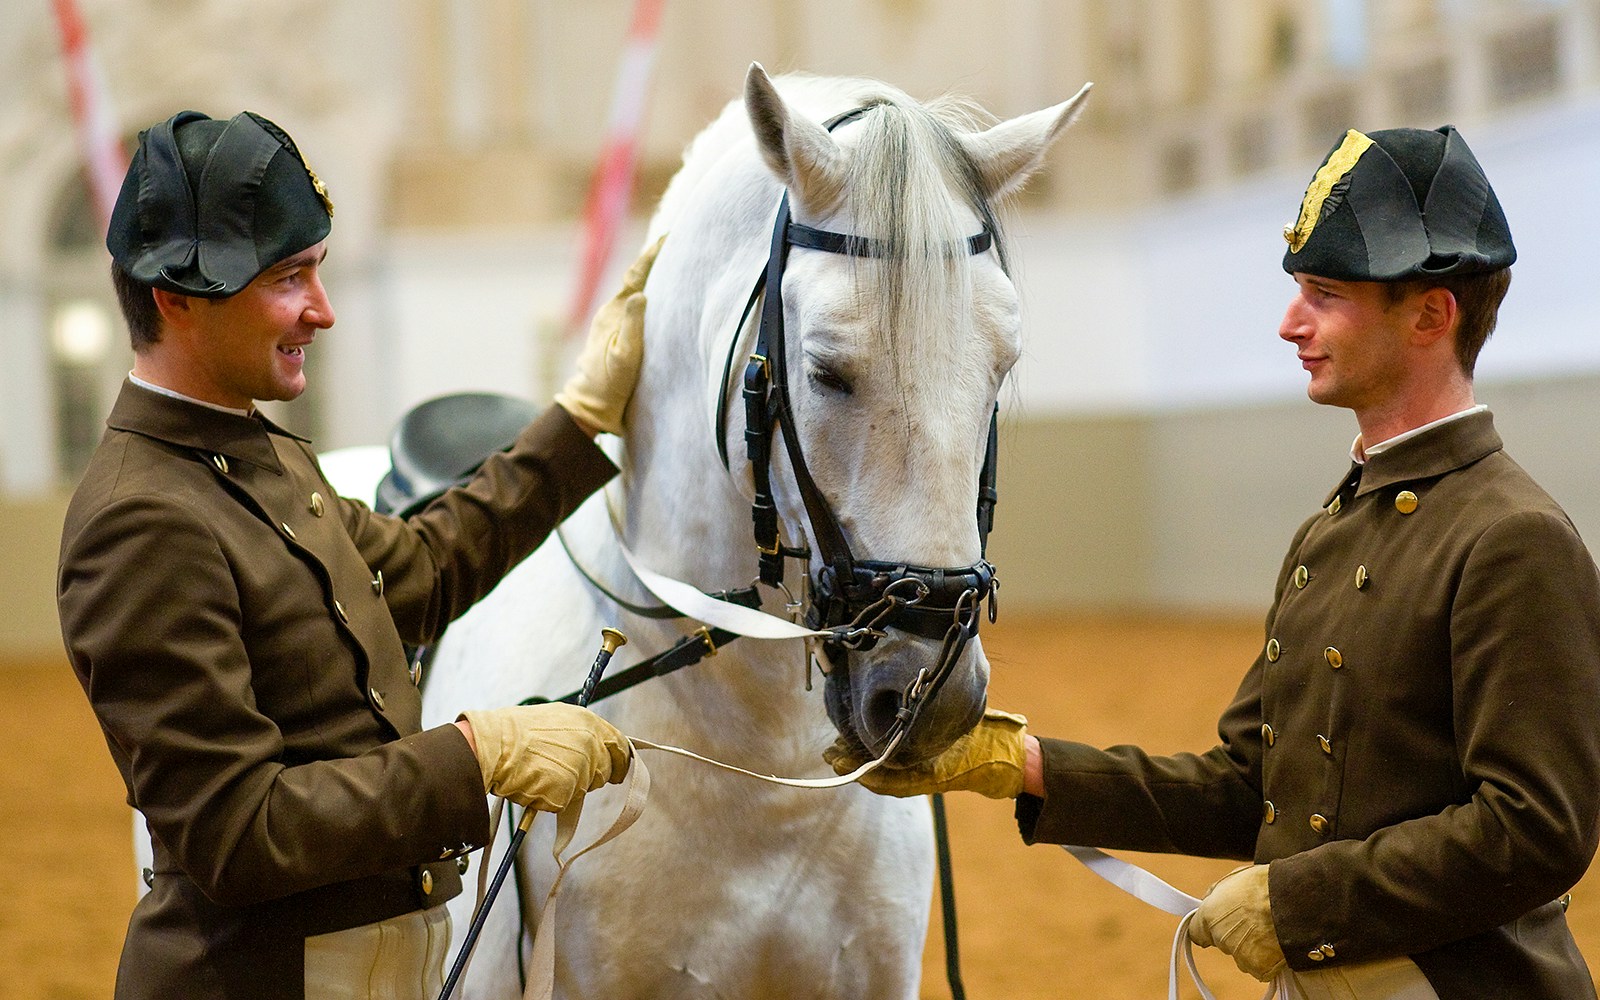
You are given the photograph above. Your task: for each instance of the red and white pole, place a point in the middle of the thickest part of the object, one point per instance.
(105, 158)
(612, 183)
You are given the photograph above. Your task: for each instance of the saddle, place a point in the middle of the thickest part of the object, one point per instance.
(441, 442)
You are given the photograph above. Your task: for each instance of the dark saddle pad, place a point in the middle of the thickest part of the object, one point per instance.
(442, 441)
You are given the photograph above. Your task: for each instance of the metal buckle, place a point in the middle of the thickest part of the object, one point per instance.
(704, 632)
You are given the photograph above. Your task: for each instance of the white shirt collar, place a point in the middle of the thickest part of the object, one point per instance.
(1359, 454)
(163, 390)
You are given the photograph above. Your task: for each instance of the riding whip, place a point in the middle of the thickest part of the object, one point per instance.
(610, 640)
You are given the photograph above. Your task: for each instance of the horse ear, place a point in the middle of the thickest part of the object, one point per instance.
(1012, 151)
(799, 151)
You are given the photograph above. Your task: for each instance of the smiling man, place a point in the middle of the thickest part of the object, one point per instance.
(238, 627)
(1412, 764)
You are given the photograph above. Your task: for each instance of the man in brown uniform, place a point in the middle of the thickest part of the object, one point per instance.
(238, 627)
(1412, 763)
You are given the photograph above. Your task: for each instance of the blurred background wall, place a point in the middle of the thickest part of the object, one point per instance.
(1157, 449)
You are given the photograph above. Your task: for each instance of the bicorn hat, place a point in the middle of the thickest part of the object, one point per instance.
(1399, 204)
(207, 205)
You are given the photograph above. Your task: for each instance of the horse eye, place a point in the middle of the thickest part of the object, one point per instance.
(831, 380)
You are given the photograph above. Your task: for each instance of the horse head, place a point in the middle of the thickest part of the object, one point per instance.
(898, 324)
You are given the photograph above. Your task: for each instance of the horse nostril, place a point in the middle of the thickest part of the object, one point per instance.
(878, 714)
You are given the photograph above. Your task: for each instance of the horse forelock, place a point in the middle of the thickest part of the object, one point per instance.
(912, 185)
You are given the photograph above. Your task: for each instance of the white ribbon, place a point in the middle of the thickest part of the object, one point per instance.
(541, 982)
(1148, 888)
(832, 782)
(749, 622)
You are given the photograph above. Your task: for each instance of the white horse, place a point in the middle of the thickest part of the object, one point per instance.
(730, 887)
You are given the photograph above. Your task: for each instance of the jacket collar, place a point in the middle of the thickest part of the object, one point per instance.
(1444, 449)
(189, 425)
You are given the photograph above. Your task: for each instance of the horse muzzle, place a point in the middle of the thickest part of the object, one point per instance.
(894, 691)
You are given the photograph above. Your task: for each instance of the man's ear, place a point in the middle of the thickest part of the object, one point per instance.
(175, 308)
(1437, 315)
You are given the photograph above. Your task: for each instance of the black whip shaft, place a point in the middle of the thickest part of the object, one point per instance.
(610, 640)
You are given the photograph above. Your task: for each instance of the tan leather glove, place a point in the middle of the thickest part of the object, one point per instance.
(1236, 917)
(544, 756)
(597, 394)
(988, 760)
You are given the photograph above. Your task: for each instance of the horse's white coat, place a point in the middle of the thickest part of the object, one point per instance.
(728, 887)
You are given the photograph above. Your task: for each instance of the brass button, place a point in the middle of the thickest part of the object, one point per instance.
(377, 697)
(1273, 650)
(1361, 577)
(1405, 501)
(462, 864)
(287, 530)
(338, 609)
(1326, 949)
(1269, 812)
(1268, 735)
(1326, 744)
(416, 672)
(1302, 576)
(1334, 508)
(1565, 901)
(1320, 823)
(149, 876)
(1334, 657)
(316, 504)
(1315, 954)
(377, 584)
(427, 882)
(221, 462)
(447, 854)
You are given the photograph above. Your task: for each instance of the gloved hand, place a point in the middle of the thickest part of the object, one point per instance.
(1236, 916)
(544, 756)
(597, 394)
(988, 760)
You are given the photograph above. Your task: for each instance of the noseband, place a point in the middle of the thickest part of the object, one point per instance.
(855, 599)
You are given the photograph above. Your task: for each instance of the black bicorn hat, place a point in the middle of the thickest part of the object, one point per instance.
(207, 205)
(1399, 204)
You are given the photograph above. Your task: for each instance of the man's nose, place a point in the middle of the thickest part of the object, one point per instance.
(319, 312)
(1294, 326)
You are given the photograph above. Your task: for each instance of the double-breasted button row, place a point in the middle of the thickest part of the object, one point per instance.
(1331, 654)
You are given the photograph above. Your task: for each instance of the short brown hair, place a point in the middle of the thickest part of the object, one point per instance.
(139, 310)
(1478, 298)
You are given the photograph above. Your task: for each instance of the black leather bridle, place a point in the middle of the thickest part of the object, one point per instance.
(855, 599)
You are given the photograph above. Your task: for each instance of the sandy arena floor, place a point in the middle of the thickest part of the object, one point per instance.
(1034, 924)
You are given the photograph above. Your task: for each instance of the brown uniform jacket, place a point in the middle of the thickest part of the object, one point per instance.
(237, 628)
(1416, 750)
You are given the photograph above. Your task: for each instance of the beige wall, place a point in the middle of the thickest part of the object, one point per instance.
(30, 532)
